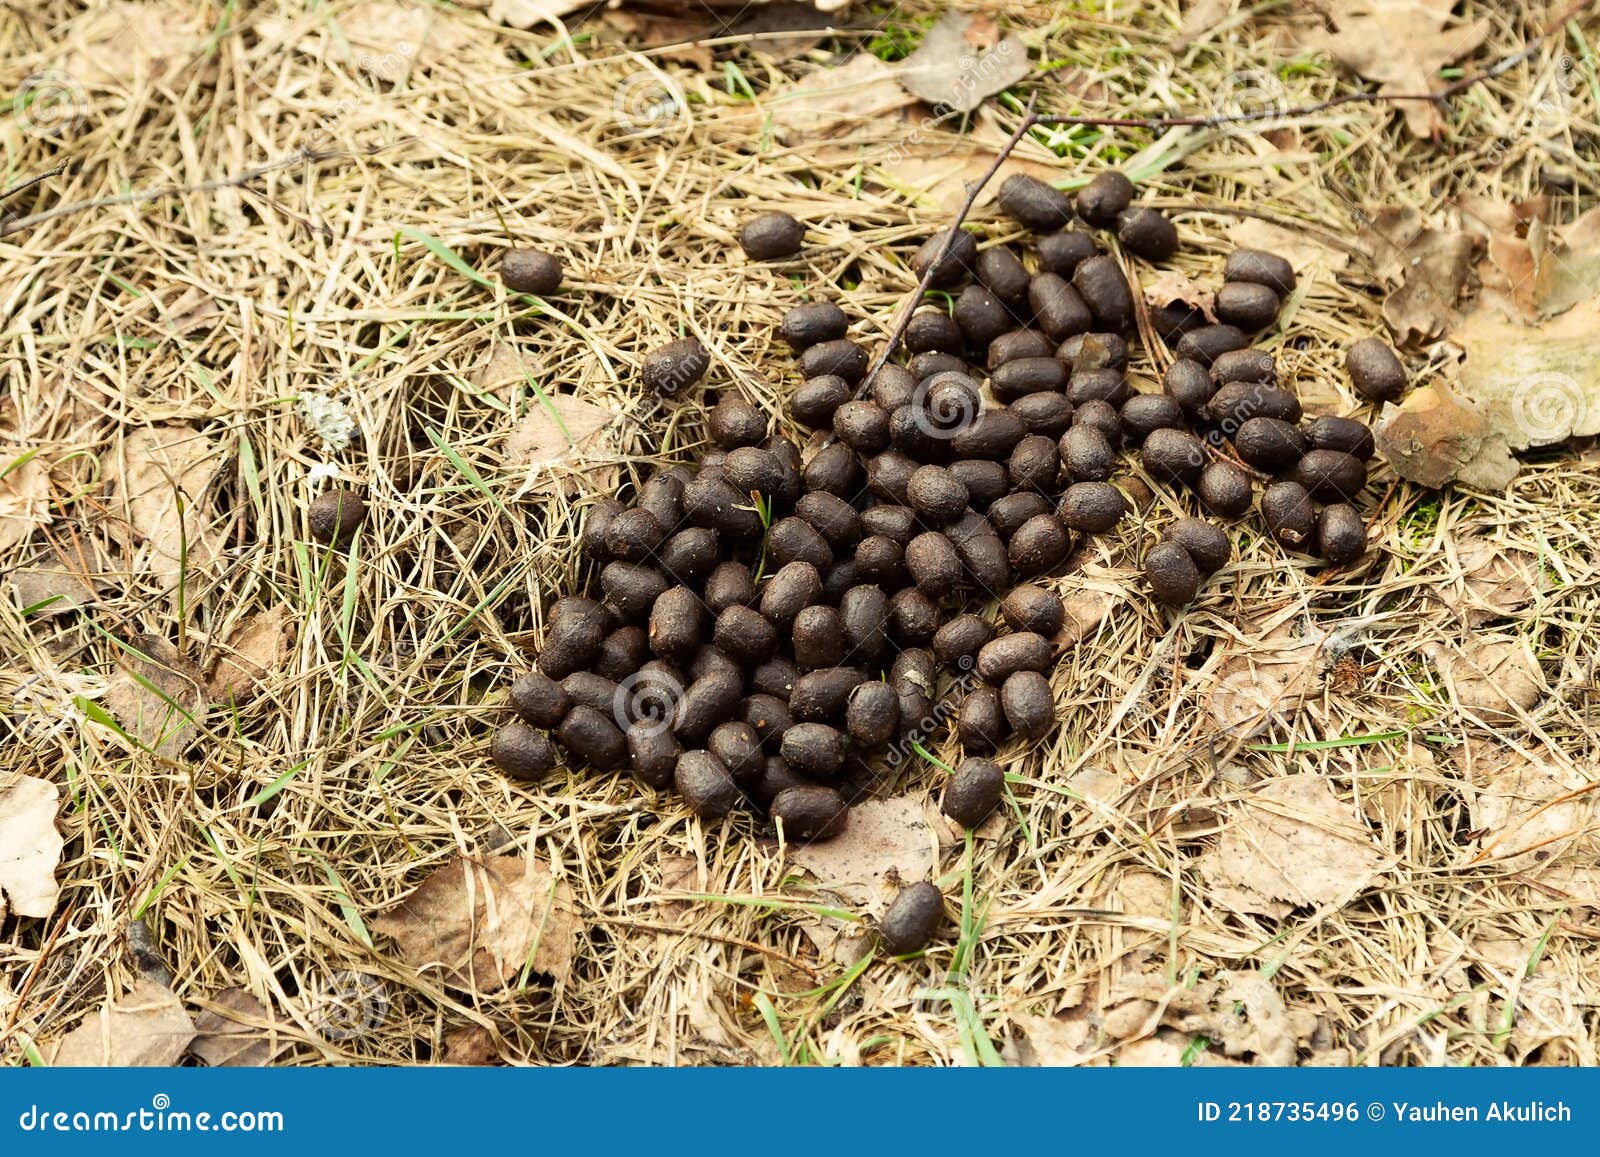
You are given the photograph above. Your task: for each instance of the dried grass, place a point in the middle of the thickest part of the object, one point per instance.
(176, 296)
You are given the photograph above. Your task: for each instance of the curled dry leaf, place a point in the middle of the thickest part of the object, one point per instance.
(159, 479)
(1434, 437)
(1493, 678)
(1292, 842)
(24, 495)
(237, 1031)
(1527, 813)
(159, 696)
(1401, 45)
(146, 1028)
(1536, 385)
(962, 61)
(1169, 287)
(1428, 267)
(30, 847)
(1248, 1018)
(254, 650)
(471, 1044)
(385, 37)
(477, 924)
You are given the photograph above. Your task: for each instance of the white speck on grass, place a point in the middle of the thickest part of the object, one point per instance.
(322, 472)
(329, 419)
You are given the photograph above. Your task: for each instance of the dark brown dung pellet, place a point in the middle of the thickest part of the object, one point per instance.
(992, 434)
(1148, 233)
(815, 321)
(776, 677)
(539, 700)
(835, 519)
(737, 745)
(925, 365)
(1063, 252)
(571, 642)
(776, 778)
(593, 736)
(937, 495)
(677, 624)
(769, 715)
(1086, 453)
(1057, 307)
(1032, 203)
(1249, 305)
(1375, 371)
(982, 316)
(1187, 383)
(770, 236)
(674, 367)
(974, 791)
(730, 584)
(890, 521)
(982, 552)
(863, 426)
(662, 496)
(841, 358)
(1102, 199)
(1173, 577)
(1109, 386)
(1092, 507)
(1019, 651)
(1260, 267)
(1030, 607)
(872, 714)
(1025, 376)
(1047, 413)
(953, 265)
(752, 468)
(1206, 543)
(522, 752)
(834, 470)
(881, 560)
(1094, 351)
(1287, 511)
(810, 812)
(1269, 444)
(1040, 544)
(818, 636)
(1341, 535)
(706, 785)
(957, 643)
(530, 271)
(981, 722)
(1225, 489)
(999, 271)
(794, 587)
(865, 611)
(1017, 344)
(652, 752)
(1173, 456)
(820, 696)
(1330, 475)
(933, 564)
(734, 422)
(931, 329)
(913, 617)
(633, 535)
(1346, 435)
(706, 702)
(596, 521)
(336, 515)
(1209, 342)
(1143, 414)
(746, 634)
(1029, 706)
(1104, 289)
(985, 481)
(1237, 402)
(814, 750)
(632, 588)
(912, 920)
(1034, 463)
(1246, 365)
(1174, 319)
(1008, 514)
(814, 402)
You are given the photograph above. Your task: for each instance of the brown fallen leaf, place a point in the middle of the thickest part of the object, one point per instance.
(1199, 18)
(1292, 841)
(1496, 678)
(1536, 385)
(470, 1045)
(561, 437)
(1085, 610)
(1434, 437)
(125, 43)
(1309, 257)
(477, 925)
(159, 482)
(146, 1028)
(1052, 1041)
(1169, 1049)
(1428, 267)
(255, 648)
(1401, 45)
(1497, 580)
(1253, 690)
(525, 14)
(888, 842)
(237, 1031)
(30, 847)
(159, 696)
(1528, 813)
(1248, 1018)
(962, 61)
(1169, 287)
(832, 100)
(24, 495)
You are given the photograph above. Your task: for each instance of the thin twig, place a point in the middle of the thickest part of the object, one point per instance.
(32, 181)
